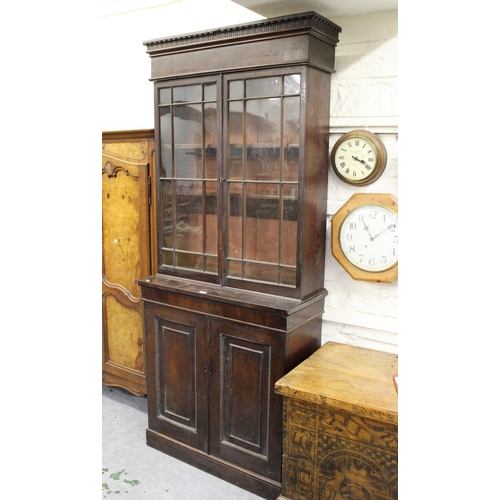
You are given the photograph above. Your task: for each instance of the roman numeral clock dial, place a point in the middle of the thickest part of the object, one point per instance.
(365, 237)
(359, 157)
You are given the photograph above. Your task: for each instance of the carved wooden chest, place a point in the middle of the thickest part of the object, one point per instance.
(340, 436)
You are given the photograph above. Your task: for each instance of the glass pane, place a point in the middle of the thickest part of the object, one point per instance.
(168, 214)
(235, 130)
(211, 230)
(235, 269)
(291, 121)
(290, 202)
(168, 257)
(262, 222)
(263, 87)
(210, 92)
(210, 130)
(292, 84)
(166, 142)
(261, 272)
(188, 93)
(187, 138)
(262, 201)
(211, 264)
(235, 211)
(263, 139)
(262, 239)
(189, 260)
(236, 89)
(189, 216)
(288, 248)
(165, 96)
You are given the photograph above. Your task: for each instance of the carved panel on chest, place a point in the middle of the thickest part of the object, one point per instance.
(340, 431)
(333, 454)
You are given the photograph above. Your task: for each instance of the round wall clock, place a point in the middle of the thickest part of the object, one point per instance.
(365, 237)
(359, 157)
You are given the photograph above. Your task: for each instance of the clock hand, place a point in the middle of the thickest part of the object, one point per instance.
(367, 229)
(361, 161)
(391, 226)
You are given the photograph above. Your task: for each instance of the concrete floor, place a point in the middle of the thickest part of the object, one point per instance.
(132, 470)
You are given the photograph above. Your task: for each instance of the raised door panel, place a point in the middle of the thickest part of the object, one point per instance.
(245, 415)
(177, 374)
(126, 163)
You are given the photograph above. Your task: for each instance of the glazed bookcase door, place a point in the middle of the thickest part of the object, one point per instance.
(188, 125)
(230, 179)
(261, 170)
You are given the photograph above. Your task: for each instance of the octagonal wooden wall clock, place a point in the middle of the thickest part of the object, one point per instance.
(365, 237)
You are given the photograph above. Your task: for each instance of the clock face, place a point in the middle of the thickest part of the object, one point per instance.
(368, 237)
(356, 158)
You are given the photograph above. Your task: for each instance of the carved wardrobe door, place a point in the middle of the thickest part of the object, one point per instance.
(126, 255)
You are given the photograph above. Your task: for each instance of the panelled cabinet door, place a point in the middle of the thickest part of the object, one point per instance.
(177, 404)
(125, 257)
(245, 414)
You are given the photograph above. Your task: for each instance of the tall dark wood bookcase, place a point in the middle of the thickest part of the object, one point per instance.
(241, 139)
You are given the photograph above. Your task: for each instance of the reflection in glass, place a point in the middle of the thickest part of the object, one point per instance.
(263, 87)
(264, 136)
(168, 214)
(188, 216)
(235, 225)
(261, 272)
(187, 139)
(168, 257)
(263, 133)
(235, 131)
(211, 222)
(288, 248)
(235, 269)
(291, 84)
(165, 96)
(187, 93)
(210, 92)
(260, 170)
(166, 142)
(236, 89)
(189, 143)
(210, 135)
(291, 121)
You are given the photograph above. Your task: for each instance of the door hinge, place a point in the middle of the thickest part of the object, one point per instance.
(149, 190)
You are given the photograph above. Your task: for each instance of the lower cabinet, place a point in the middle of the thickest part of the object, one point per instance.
(213, 361)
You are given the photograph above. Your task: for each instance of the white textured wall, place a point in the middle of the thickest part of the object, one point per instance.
(364, 95)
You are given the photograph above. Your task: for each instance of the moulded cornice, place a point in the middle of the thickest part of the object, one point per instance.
(268, 28)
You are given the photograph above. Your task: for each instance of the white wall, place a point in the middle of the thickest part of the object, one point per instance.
(364, 95)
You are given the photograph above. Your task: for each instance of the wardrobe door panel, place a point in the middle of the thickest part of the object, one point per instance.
(126, 165)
